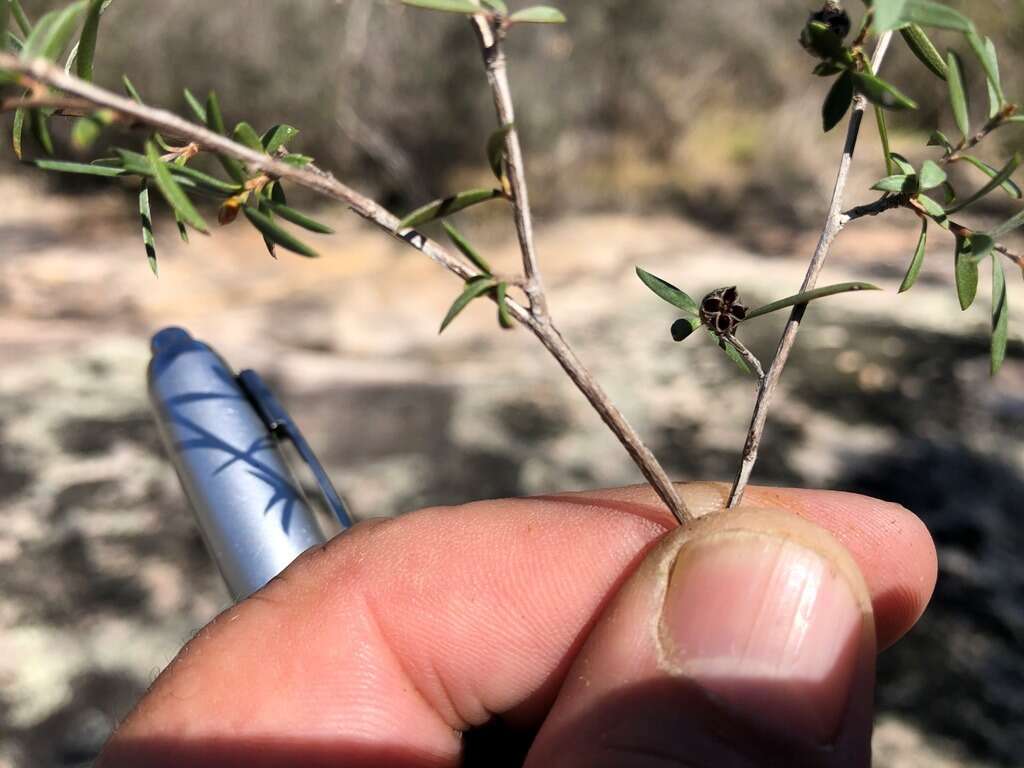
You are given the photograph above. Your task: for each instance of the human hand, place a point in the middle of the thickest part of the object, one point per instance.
(745, 639)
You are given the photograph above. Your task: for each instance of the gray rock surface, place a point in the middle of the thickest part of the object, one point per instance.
(102, 574)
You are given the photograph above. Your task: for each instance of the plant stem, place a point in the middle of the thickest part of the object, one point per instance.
(490, 38)
(892, 202)
(748, 357)
(833, 224)
(310, 177)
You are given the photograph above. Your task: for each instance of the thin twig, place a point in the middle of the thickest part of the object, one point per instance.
(906, 200)
(748, 357)
(490, 36)
(73, 108)
(883, 204)
(970, 143)
(833, 224)
(310, 177)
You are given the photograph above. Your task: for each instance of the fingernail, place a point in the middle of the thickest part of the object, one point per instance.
(770, 629)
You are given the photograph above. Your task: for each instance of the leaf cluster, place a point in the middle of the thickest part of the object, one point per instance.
(928, 188)
(696, 315)
(161, 165)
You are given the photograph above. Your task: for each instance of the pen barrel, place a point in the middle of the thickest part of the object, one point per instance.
(250, 511)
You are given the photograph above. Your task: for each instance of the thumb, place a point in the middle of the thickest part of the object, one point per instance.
(743, 639)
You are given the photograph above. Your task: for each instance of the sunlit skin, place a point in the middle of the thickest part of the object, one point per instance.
(382, 647)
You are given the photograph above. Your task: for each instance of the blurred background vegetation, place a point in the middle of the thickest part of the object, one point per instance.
(683, 136)
(704, 107)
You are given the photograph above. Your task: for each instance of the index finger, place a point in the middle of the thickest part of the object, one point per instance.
(383, 646)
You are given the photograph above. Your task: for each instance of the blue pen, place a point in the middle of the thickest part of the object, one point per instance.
(222, 434)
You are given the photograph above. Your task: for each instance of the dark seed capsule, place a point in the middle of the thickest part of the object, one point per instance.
(730, 295)
(724, 323)
(739, 311)
(712, 304)
(836, 19)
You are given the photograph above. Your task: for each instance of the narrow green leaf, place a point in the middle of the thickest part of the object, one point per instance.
(966, 270)
(538, 14)
(81, 168)
(276, 234)
(182, 228)
(915, 264)
(931, 175)
(246, 135)
(949, 193)
(994, 183)
(14, 44)
(18, 130)
(39, 125)
(901, 183)
(20, 17)
(276, 193)
(933, 209)
(894, 14)
(215, 122)
(171, 190)
(498, 6)
(185, 176)
(820, 41)
(300, 219)
(475, 288)
(197, 109)
(891, 166)
(146, 215)
(667, 292)
(133, 162)
(884, 94)
(809, 296)
(985, 52)
(838, 101)
(85, 54)
(277, 137)
(496, 151)
(452, 6)
(902, 164)
(5, 23)
(924, 49)
(438, 209)
(1009, 186)
(504, 317)
(684, 327)
(1009, 225)
(827, 69)
(938, 139)
(993, 81)
(466, 249)
(982, 245)
(261, 207)
(1000, 316)
(205, 181)
(958, 93)
(299, 161)
(732, 353)
(130, 89)
(50, 37)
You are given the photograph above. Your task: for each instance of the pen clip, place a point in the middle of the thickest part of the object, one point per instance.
(281, 425)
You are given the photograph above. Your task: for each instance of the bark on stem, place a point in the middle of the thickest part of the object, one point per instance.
(43, 71)
(833, 224)
(489, 37)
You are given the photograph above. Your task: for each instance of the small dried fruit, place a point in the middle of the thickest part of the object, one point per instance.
(721, 310)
